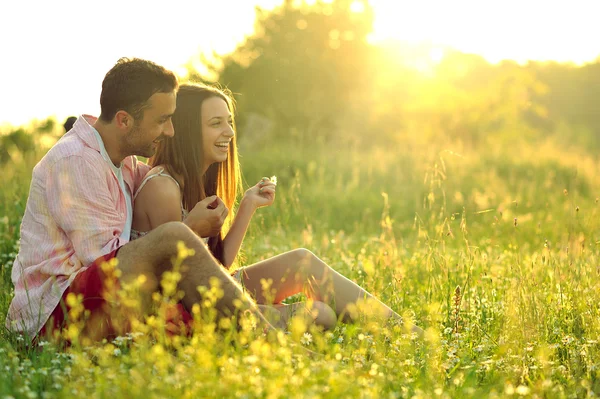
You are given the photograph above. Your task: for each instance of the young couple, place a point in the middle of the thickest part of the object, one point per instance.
(90, 201)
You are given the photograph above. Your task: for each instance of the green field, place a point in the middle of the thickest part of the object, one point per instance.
(492, 249)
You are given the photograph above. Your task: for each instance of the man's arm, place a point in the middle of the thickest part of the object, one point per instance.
(81, 204)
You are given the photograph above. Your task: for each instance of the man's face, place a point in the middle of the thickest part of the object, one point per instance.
(153, 126)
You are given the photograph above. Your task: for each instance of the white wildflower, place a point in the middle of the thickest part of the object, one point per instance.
(522, 390)
(306, 339)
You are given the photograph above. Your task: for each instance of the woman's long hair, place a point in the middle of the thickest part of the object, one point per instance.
(183, 155)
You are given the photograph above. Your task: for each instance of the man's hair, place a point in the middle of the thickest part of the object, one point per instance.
(129, 85)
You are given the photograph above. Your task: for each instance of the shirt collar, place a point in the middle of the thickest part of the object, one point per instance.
(105, 154)
(84, 128)
(85, 131)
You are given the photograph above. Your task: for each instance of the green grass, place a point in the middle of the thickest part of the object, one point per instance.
(515, 228)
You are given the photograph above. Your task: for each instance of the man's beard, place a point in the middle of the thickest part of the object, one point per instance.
(132, 147)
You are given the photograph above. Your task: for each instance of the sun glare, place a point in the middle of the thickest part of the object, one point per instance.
(494, 30)
(436, 55)
(357, 7)
(181, 72)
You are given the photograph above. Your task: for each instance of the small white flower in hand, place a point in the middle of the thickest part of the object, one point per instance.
(263, 193)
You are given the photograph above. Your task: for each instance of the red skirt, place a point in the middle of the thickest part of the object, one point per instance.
(104, 320)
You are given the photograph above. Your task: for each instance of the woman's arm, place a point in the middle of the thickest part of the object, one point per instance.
(158, 202)
(257, 196)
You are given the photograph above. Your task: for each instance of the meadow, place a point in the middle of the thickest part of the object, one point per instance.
(491, 248)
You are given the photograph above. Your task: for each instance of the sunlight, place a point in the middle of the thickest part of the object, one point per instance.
(181, 72)
(436, 55)
(357, 7)
(494, 30)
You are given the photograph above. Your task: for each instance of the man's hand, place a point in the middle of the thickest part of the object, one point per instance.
(207, 217)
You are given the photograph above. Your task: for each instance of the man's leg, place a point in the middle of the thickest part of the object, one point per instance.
(153, 254)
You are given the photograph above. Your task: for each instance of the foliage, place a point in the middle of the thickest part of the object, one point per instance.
(303, 67)
(463, 194)
(309, 73)
(514, 229)
(20, 141)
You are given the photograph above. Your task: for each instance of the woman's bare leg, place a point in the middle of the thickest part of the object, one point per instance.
(302, 271)
(312, 312)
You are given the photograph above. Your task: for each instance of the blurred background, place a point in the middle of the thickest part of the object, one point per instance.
(445, 106)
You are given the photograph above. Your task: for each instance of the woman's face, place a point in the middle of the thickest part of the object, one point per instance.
(217, 130)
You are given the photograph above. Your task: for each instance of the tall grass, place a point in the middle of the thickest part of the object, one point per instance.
(492, 250)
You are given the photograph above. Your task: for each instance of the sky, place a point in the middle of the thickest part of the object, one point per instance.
(54, 54)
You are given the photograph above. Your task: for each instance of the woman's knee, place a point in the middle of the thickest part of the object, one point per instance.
(302, 255)
(307, 260)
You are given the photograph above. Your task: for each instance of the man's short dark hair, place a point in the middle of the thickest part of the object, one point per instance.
(129, 85)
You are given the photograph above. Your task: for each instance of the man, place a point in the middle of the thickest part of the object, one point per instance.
(79, 211)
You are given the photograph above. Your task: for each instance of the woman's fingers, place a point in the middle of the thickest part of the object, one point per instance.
(267, 190)
(265, 187)
(222, 208)
(266, 180)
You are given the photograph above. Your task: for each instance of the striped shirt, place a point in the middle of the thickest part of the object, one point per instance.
(76, 212)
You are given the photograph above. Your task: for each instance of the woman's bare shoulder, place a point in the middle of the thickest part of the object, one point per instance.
(155, 170)
(158, 183)
(160, 199)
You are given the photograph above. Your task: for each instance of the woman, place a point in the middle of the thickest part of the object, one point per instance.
(201, 161)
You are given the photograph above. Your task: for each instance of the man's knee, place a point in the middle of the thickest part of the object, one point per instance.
(157, 248)
(168, 235)
(174, 231)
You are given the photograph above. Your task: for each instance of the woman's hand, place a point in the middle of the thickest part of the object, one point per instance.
(262, 193)
(207, 217)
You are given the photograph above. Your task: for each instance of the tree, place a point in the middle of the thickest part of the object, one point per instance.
(304, 66)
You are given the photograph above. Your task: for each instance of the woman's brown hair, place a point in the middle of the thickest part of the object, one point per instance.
(183, 155)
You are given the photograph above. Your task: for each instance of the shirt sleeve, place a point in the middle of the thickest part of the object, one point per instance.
(81, 204)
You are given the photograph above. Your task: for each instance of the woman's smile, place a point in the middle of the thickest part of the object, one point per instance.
(222, 145)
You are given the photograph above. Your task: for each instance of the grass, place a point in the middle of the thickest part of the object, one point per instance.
(492, 250)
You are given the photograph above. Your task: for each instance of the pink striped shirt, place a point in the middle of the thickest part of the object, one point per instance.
(75, 213)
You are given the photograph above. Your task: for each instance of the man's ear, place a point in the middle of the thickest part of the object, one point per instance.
(124, 120)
